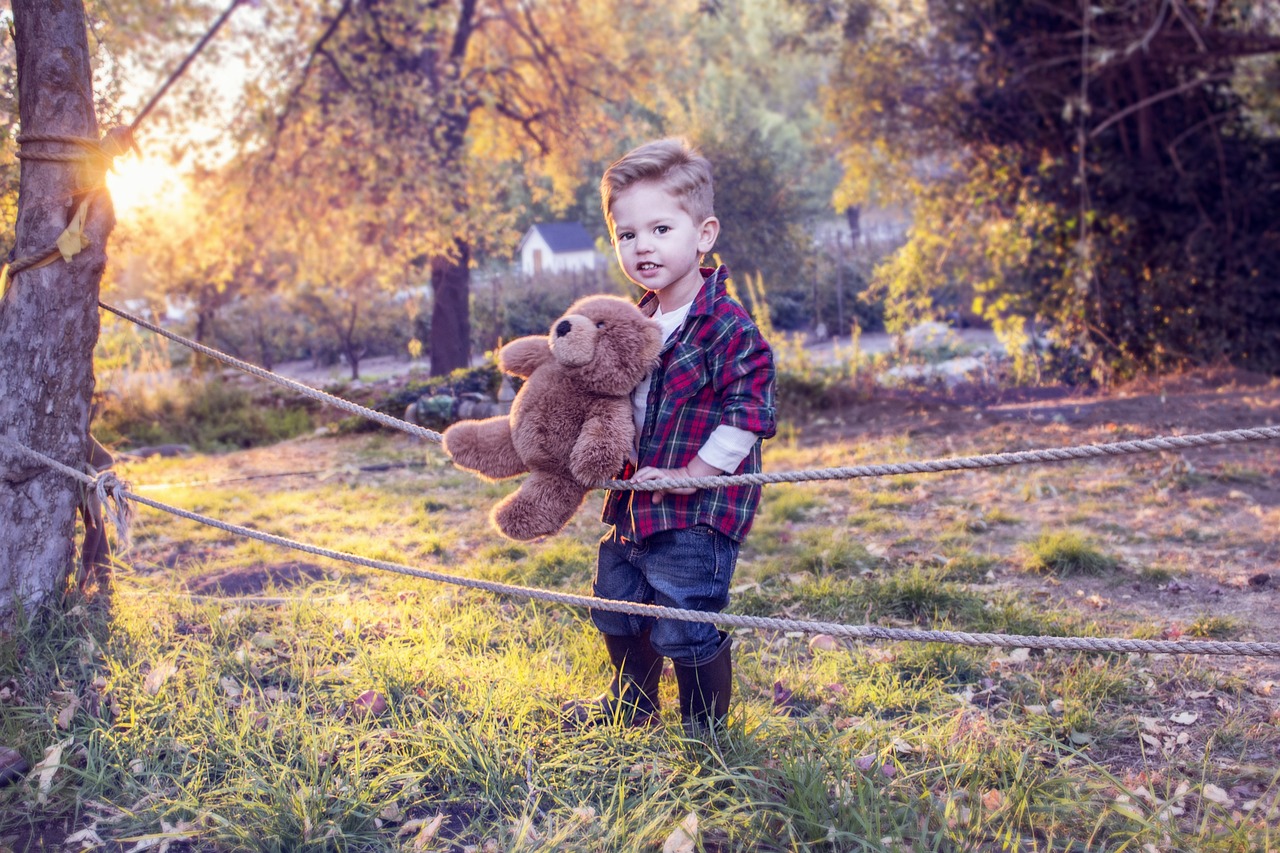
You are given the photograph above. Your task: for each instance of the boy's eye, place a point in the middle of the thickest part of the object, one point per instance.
(624, 235)
(663, 229)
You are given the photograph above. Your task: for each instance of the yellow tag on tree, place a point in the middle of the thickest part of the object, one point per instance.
(71, 241)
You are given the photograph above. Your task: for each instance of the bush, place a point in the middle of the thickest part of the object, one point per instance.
(206, 414)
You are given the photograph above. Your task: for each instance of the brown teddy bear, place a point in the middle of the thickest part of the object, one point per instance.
(571, 424)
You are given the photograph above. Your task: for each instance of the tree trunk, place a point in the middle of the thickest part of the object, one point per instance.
(451, 311)
(49, 315)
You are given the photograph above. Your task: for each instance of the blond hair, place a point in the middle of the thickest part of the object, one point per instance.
(673, 164)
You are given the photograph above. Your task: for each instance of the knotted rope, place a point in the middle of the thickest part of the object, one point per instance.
(857, 632)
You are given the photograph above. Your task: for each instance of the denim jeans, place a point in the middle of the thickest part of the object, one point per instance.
(690, 569)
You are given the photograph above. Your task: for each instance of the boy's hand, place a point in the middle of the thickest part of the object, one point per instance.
(696, 468)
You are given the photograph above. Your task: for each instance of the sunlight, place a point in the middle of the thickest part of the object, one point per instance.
(138, 183)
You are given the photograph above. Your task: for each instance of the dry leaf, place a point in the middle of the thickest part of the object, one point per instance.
(1214, 794)
(823, 643)
(1186, 718)
(683, 839)
(992, 800)
(426, 830)
(47, 767)
(71, 241)
(158, 675)
(87, 838)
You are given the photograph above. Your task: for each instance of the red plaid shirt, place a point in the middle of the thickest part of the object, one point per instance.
(717, 369)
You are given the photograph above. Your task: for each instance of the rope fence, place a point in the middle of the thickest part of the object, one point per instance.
(108, 486)
(932, 466)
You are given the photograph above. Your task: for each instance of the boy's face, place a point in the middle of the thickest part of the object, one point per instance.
(658, 243)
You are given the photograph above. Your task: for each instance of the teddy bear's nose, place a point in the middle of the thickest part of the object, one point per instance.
(563, 328)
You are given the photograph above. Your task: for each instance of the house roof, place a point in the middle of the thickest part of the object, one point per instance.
(562, 236)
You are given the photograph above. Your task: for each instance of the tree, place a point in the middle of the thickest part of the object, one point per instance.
(403, 123)
(1090, 167)
(48, 314)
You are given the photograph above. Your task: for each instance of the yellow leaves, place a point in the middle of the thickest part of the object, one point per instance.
(72, 240)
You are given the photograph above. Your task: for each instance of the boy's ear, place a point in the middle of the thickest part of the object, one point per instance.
(708, 231)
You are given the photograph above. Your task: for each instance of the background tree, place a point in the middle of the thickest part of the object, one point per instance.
(1090, 167)
(48, 314)
(402, 121)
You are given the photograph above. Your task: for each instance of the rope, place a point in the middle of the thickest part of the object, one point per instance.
(305, 390)
(859, 632)
(963, 463)
(107, 487)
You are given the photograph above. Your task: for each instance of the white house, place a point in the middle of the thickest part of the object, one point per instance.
(557, 247)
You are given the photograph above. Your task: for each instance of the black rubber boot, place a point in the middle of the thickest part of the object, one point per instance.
(705, 686)
(632, 697)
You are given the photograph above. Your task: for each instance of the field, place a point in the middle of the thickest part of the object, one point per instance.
(230, 694)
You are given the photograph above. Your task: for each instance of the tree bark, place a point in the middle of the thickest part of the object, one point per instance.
(451, 311)
(49, 315)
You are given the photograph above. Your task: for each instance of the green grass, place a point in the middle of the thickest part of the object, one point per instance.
(235, 724)
(1067, 554)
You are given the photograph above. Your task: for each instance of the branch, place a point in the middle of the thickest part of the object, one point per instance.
(1156, 98)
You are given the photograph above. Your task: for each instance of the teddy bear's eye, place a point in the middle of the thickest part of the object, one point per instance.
(600, 325)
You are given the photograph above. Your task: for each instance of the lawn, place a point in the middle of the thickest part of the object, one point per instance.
(232, 695)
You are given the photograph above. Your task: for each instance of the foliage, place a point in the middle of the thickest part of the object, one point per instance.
(208, 415)
(1098, 181)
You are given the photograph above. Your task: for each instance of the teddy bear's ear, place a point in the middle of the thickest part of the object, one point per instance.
(524, 355)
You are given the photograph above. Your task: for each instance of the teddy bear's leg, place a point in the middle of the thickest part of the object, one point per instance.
(542, 505)
(484, 447)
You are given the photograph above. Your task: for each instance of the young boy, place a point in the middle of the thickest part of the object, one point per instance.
(703, 411)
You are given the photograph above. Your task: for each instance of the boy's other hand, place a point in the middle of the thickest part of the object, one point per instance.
(696, 468)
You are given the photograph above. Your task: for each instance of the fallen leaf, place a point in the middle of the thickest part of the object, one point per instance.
(992, 800)
(370, 703)
(159, 674)
(426, 831)
(823, 643)
(1214, 794)
(683, 839)
(87, 838)
(1185, 718)
(47, 767)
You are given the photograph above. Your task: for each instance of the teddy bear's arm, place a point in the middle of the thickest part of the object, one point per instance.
(484, 447)
(603, 444)
(524, 355)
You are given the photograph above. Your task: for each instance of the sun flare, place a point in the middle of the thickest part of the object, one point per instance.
(138, 183)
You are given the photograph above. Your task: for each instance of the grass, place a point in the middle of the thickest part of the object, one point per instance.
(1068, 554)
(238, 724)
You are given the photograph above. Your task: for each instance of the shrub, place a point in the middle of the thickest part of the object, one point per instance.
(208, 414)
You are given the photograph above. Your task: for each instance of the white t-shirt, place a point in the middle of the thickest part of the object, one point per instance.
(727, 445)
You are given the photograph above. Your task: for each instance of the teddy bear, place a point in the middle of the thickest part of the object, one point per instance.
(571, 424)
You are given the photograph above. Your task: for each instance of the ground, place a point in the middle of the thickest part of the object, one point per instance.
(1201, 543)
(1227, 563)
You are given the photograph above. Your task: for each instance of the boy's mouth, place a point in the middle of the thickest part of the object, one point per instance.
(646, 266)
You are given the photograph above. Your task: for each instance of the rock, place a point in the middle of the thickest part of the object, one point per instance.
(12, 766)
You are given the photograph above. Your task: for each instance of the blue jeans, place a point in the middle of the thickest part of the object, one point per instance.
(689, 569)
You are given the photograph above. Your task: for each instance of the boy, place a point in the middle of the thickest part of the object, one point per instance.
(703, 411)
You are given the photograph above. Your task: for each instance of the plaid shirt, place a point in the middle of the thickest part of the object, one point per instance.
(717, 369)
